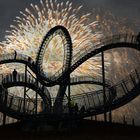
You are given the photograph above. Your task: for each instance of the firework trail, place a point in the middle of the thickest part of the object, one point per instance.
(26, 35)
(122, 61)
(29, 29)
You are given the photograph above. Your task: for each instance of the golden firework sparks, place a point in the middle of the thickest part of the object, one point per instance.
(28, 31)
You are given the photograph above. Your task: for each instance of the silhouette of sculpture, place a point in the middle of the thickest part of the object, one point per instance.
(68, 106)
(15, 75)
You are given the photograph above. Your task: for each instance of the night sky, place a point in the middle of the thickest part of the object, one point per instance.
(9, 9)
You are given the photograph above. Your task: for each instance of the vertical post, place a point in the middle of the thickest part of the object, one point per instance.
(103, 78)
(4, 118)
(24, 103)
(5, 102)
(133, 122)
(36, 98)
(91, 118)
(110, 101)
(110, 116)
(69, 92)
(95, 117)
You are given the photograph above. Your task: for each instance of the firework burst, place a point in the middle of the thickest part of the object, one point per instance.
(28, 31)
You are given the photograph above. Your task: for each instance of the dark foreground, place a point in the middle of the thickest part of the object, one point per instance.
(86, 130)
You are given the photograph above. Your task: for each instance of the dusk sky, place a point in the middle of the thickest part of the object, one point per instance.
(9, 9)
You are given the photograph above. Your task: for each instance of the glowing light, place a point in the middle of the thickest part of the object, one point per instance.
(30, 28)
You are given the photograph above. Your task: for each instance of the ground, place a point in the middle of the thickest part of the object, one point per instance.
(86, 130)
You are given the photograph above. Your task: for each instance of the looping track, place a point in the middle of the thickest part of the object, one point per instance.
(116, 95)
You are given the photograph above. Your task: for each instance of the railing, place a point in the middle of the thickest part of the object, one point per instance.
(124, 87)
(13, 56)
(20, 77)
(109, 40)
(91, 100)
(13, 102)
(82, 53)
(16, 103)
(95, 100)
(90, 79)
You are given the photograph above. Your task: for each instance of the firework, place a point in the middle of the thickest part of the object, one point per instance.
(26, 35)
(122, 61)
(29, 29)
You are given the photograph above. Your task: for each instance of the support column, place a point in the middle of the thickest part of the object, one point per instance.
(95, 117)
(5, 102)
(4, 118)
(110, 111)
(58, 103)
(69, 98)
(36, 97)
(24, 103)
(110, 116)
(103, 79)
